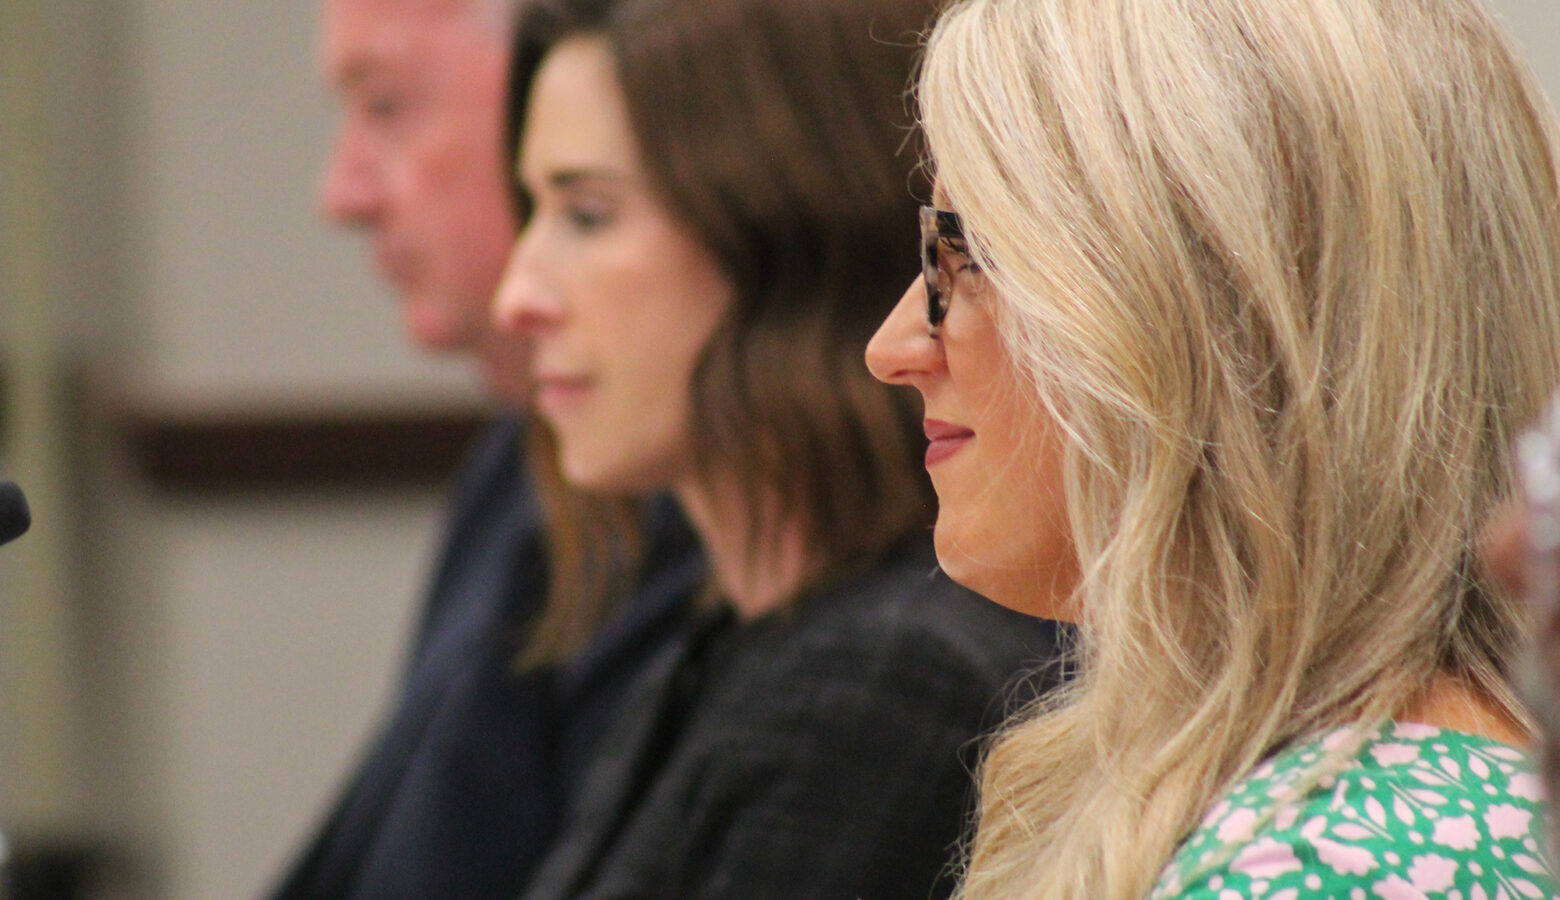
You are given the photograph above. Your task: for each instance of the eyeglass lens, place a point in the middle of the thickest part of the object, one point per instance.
(936, 226)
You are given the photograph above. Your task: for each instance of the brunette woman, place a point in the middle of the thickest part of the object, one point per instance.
(716, 197)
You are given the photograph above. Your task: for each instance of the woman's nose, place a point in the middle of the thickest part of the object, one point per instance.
(901, 350)
(524, 303)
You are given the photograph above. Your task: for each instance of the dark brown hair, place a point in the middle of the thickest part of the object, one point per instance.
(778, 133)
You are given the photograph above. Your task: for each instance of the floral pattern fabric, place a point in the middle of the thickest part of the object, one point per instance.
(1418, 813)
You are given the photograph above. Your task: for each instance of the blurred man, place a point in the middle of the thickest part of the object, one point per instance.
(461, 791)
(418, 162)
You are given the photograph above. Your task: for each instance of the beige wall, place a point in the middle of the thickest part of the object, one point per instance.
(186, 678)
(1536, 25)
(189, 677)
(248, 646)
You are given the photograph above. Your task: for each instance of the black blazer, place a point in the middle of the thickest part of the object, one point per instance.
(463, 789)
(821, 753)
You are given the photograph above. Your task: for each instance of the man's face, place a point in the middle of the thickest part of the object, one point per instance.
(418, 163)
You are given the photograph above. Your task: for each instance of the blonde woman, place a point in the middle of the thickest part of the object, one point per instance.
(1229, 316)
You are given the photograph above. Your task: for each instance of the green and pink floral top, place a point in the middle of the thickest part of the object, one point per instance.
(1417, 813)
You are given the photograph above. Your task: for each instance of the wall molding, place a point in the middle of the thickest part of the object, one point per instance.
(305, 448)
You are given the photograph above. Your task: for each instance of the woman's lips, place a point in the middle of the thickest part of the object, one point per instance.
(558, 393)
(944, 439)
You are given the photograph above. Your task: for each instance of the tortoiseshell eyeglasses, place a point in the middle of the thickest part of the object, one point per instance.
(939, 229)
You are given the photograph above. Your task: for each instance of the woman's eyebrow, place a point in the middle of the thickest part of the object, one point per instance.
(574, 176)
(563, 178)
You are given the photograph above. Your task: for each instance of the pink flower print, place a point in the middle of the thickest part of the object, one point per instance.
(1286, 818)
(1527, 888)
(1313, 828)
(1237, 826)
(1266, 858)
(1456, 832)
(1432, 872)
(1394, 754)
(1344, 858)
(1414, 731)
(1215, 814)
(1527, 786)
(1507, 821)
(1395, 888)
(1337, 738)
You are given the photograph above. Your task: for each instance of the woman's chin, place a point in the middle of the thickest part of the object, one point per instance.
(610, 473)
(585, 472)
(966, 570)
(1028, 589)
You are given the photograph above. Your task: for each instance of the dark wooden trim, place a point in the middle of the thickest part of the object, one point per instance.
(304, 449)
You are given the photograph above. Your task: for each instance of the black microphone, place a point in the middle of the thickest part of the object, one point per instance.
(15, 518)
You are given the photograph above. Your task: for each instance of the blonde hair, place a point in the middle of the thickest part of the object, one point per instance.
(1287, 273)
